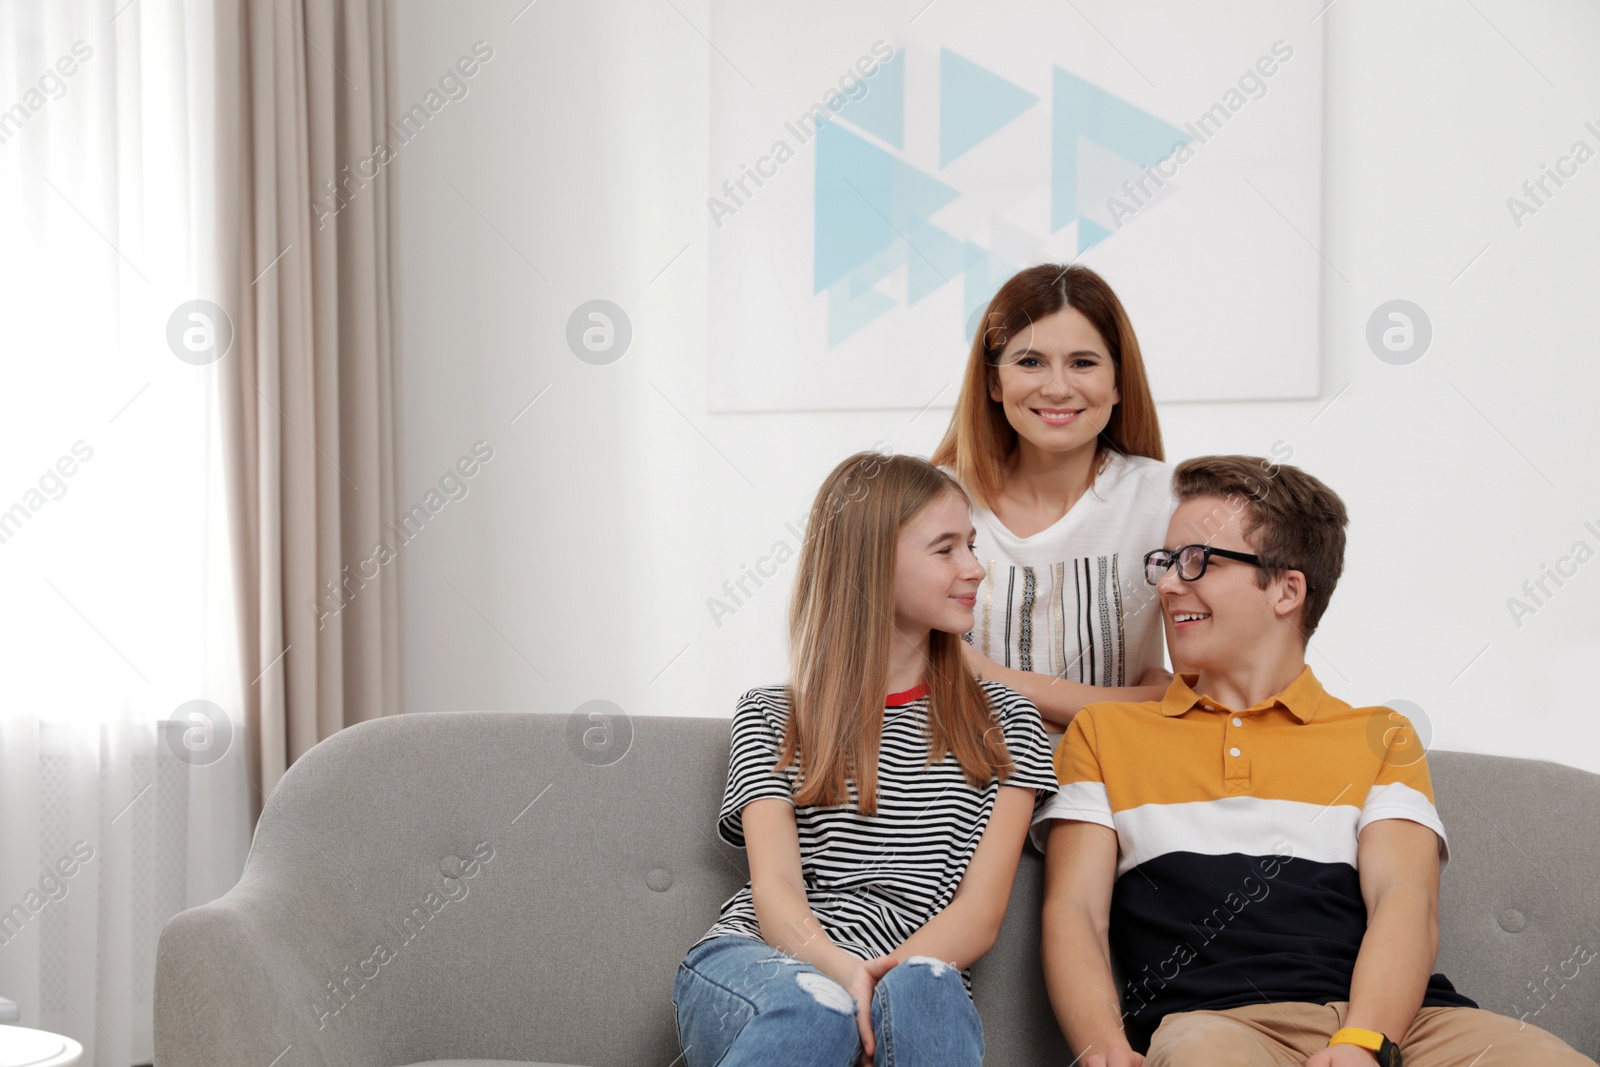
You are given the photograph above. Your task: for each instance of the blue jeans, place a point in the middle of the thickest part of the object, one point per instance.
(742, 1003)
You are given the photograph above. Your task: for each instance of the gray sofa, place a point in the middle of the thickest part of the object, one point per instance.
(477, 887)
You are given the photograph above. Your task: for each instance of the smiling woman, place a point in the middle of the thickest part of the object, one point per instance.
(1055, 436)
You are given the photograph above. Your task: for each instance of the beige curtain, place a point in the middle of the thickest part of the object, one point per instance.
(310, 386)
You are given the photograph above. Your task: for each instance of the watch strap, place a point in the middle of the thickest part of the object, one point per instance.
(1387, 1051)
(1354, 1035)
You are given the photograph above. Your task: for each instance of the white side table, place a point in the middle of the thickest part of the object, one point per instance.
(22, 1047)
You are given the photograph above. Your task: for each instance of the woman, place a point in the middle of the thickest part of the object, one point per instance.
(882, 796)
(1055, 438)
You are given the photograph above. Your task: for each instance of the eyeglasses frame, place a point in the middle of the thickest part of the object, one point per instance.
(1207, 551)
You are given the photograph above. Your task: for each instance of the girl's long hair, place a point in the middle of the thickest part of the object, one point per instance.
(980, 439)
(841, 620)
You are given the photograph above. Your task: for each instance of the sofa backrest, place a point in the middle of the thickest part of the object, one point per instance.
(519, 886)
(1519, 901)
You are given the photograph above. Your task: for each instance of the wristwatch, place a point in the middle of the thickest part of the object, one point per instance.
(1387, 1051)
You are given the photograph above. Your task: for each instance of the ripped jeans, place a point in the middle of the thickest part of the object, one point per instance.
(742, 1003)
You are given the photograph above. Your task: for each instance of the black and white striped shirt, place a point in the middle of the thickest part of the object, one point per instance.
(874, 881)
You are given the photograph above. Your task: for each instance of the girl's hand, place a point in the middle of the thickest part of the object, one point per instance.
(860, 982)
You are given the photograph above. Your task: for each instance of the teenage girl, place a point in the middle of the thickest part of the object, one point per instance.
(882, 797)
(1056, 440)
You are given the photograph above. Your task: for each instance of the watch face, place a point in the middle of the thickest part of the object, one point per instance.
(1389, 1054)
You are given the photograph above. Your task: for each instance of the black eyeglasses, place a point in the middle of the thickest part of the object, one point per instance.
(1192, 561)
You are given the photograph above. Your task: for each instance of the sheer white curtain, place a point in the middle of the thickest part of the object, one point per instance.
(116, 597)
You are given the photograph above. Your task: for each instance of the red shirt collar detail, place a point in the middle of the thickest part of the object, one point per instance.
(906, 696)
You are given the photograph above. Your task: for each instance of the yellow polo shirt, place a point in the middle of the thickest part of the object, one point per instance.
(1236, 840)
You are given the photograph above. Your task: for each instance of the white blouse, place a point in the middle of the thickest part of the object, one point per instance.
(1071, 601)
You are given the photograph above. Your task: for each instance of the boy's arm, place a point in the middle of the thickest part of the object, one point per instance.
(1080, 868)
(1398, 861)
(970, 923)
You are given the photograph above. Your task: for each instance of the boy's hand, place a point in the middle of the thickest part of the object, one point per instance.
(1117, 1057)
(1342, 1056)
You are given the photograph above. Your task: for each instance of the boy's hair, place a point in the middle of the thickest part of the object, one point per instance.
(841, 620)
(1291, 519)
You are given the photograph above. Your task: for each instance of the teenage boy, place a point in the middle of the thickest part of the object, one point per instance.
(1259, 859)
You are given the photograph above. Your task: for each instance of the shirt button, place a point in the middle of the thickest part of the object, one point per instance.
(1238, 721)
(1233, 752)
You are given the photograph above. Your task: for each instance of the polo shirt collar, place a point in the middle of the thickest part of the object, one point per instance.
(1300, 698)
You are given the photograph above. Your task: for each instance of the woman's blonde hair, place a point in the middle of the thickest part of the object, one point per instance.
(841, 620)
(980, 439)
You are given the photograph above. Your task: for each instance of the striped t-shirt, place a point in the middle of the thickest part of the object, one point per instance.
(873, 881)
(1236, 834)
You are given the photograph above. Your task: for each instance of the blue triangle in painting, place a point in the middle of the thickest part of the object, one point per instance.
(848, 313)
(852, 174)
(1085, 110)
(917, 196)
(881, 111)
(1090, 233)
(876, 268)
(935, 258)
(973, 104)
(975, 266)
(984, 274)
(865, 199)
(1101, 173)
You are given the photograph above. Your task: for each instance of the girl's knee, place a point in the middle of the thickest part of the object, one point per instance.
(811, 1001)
(931, 977)
(827, 997)
(762, 1012)
(923, 987)
(822, 1013)
(922, 1011)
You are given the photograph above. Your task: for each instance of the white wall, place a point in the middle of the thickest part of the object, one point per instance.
(580, 563)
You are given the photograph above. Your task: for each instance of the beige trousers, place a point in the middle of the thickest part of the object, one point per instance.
(1272, 1035)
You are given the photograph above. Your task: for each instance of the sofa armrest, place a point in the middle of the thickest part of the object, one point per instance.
(222, 988)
